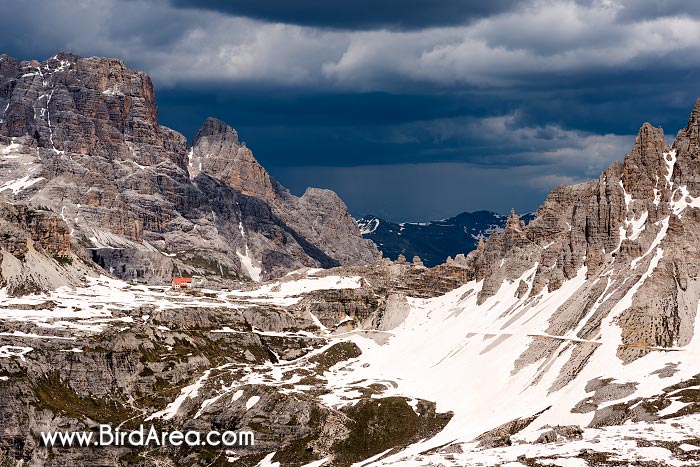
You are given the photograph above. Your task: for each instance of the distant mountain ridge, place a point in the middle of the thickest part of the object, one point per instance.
(433, 241)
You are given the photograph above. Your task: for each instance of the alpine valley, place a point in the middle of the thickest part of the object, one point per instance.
(572, 340)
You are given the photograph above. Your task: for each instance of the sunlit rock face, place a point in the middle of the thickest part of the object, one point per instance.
(81, 138)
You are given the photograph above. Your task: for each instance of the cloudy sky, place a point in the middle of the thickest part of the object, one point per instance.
(411, 110)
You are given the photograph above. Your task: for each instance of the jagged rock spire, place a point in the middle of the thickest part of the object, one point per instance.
(514, 222)
(690, 135)
(687, 147)
(217, 152)
(213, 126)
(645, 164)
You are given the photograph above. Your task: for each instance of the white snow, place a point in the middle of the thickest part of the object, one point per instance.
(447, 339)
(286, 292)
(670, 160)
(659, 237)
(684, 201)
(12, 147)
(20, 184)
(650, 453)
(188, 392)
(33, 335)
(8, 351)
(369, 227)
(251, 402)
(675, 406)
(267, 461)
(249, 265)
(628, 197)
(565, 462)
(638, 225)
(618, 442)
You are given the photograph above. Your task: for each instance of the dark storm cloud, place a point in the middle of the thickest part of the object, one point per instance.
(357, 14)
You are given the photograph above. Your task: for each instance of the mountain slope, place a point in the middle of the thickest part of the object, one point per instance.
(584, 319)
(573, 340)
(80, 136)
(432, 241)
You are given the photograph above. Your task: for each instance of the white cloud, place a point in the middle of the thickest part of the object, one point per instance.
(547, 36)
(563, 150)
(175, 45)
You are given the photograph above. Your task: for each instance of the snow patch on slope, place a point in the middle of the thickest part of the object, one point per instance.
(20, 184)
(248, 264)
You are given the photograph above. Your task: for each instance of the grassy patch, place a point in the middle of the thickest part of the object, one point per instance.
(380, 424)
(56, 396)
(335, 354)
(63, 260)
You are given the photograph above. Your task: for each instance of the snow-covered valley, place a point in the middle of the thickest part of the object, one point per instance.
(470, 360)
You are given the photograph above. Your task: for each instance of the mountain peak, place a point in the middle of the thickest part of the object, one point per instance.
(92, 124)
(213, 126)
(686, 169)
(645, 163)
(692, 129)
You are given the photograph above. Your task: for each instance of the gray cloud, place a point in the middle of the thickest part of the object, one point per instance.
(525, 164)
(505, 48)
(413, 192)
(635, 10)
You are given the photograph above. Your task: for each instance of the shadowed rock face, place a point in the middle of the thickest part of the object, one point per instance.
(86, 131)
(36, 252)
(319, 215)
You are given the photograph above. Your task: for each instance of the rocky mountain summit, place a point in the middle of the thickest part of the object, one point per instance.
(80, 137)
(638, 220)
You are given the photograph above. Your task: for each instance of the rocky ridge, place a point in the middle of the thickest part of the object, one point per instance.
(80, 136)
(629, 224)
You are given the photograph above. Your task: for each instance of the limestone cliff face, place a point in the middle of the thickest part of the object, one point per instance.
(42, 230)
(217, 152)
(319, 215)
(633, 234)
(36, 252)
(80, 136)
